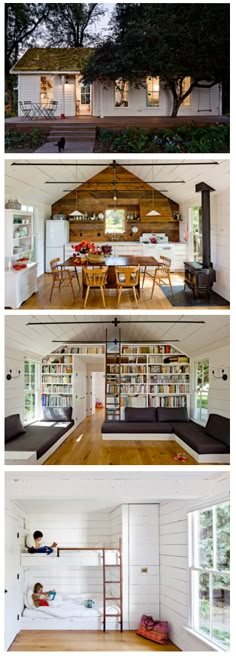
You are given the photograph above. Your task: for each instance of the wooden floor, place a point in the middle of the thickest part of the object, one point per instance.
(85, 641)
(63, 300)
(92, 450)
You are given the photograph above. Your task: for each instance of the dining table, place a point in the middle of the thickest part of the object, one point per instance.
(111, 262)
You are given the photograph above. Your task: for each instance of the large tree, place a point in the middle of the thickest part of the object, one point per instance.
(69, 24)
(173, 41)
(23, 22)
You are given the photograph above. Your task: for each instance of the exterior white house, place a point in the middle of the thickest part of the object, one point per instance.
(46, 74)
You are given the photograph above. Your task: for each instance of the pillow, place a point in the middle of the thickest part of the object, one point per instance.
(140, 414)
(219, 428)
(172, 414)
(28, 601)
(57, 414)
(13, 427)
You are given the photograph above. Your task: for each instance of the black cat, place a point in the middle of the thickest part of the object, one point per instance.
(61, 145)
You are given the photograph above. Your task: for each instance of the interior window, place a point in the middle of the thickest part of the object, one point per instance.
(121, 93)
(202, 390)
(115, 221)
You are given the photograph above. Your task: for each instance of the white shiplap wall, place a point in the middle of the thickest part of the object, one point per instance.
(14, 388)
(174, 602)
(219, 390)
(143, 552)
(21, 518)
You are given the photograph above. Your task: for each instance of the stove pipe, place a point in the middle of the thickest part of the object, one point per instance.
(206, 222)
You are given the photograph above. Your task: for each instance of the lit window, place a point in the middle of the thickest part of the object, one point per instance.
(121, 93)
(153, 91)
(209, 573)
(115, 221)
(201, 390)
(185, 86)
(46, 88)
(31, 390)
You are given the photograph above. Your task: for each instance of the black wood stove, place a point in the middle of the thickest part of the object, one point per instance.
(200, 276)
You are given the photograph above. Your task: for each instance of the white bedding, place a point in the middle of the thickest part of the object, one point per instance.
(71, 607)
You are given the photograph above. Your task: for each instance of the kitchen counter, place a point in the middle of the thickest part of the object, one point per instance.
(20, 285)
(176, 251)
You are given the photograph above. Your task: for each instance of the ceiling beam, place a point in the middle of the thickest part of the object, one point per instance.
(101, 164)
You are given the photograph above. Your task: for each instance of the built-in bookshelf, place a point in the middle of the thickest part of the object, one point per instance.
(89, 349)
(146, 376)
(57, 381)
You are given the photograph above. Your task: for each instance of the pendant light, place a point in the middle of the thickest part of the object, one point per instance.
(76, 214)
(153, 212)
(114, 183)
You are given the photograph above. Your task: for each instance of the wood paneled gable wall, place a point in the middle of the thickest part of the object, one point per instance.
(134, 195)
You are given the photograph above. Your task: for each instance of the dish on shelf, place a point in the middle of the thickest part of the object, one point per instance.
(18, 267)
(22, 259)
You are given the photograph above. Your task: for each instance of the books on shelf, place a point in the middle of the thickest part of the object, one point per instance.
(81, 350)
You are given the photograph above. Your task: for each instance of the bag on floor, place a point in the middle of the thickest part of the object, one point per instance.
(153, 630)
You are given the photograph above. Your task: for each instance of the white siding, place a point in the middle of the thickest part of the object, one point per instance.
(219, 390)
(203, 102)
(174, 602)
(143, 552)
(28, 89)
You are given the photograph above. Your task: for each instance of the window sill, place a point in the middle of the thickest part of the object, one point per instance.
(207, 642)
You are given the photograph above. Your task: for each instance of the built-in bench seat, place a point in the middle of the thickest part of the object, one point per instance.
(206, 444)
(38, 439)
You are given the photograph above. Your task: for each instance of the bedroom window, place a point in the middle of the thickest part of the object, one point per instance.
(153, 91)
(115, 221)
(209, 573)
(121, 93)
(201, 390)
(31, 390)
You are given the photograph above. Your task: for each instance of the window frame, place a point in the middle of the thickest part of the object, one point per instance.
(152, 79)
(114, 232)
(125, 92)
(200, 419)
(36, 391)
(193, 553)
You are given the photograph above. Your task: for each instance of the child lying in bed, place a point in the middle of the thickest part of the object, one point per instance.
(41, 598)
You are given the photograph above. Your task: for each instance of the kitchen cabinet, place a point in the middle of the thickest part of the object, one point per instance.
(20, 285)
(19, 234)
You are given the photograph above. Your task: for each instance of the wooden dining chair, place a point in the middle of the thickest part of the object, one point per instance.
(127, 278)
(161, 274)
(95, 278)
(60, 277)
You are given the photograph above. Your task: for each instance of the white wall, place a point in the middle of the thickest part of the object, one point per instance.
(14, 388)
(14, 511)
(220, 237)
(219, 390)
(174, 602)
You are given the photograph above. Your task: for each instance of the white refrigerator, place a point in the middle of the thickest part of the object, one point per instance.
(57, 235)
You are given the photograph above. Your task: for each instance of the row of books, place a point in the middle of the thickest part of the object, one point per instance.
(56, 389)
(133, 389)
(167, 369)
(62, 380)
(168, 389)
(58, 359)
(56, 369)
(84, 350)
(160, 348)
(167, 401)
(56, 401)
(167, 380)
(134, 401)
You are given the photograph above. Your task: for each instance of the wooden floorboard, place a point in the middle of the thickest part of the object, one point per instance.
(85, 641)
(92, 450)
(63, 299)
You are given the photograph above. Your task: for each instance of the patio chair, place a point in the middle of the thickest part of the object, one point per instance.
(95, 278)
(60, 277)
(26, 109)
(161, 273)
(127, 278)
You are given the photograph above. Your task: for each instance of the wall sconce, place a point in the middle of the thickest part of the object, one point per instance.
(9, 375)
(223, 376)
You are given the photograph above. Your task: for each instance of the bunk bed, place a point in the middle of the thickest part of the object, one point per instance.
(70, 612)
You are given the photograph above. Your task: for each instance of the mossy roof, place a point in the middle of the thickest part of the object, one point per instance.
(48, 60)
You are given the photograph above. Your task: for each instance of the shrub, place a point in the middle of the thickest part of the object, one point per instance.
(24, 140)
(133, 140)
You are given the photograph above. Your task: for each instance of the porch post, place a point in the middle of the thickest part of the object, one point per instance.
(63, 95)
(101, 101)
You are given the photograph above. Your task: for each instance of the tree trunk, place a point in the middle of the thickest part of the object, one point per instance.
(176, 106)
(9, 89)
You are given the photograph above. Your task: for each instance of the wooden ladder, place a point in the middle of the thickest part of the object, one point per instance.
(118, 581)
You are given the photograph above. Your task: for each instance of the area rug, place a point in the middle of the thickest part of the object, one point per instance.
(185, 298)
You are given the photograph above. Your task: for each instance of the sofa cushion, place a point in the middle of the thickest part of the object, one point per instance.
(140, 414)
(136, 427)
(219, 428)
(172, 414)
(196, 437)
(57, 414)
(13, 427)
(38, 438)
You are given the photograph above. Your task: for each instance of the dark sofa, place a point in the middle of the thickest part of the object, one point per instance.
(39, 436)
(211, 440)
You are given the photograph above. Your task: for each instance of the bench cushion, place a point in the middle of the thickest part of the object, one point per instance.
(13, 427)
(124, 427)
(196, 437)
(172, 414)
(57, 414)
(219, 428)
(38, 438)
(140, 414)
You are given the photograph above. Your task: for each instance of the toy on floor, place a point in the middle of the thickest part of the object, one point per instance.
(180, 456)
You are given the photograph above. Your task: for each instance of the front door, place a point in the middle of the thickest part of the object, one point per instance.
(83, 97)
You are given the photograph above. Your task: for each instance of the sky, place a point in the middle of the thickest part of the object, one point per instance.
(103, 22)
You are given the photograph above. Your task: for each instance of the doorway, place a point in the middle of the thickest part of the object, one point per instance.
(83, 97)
